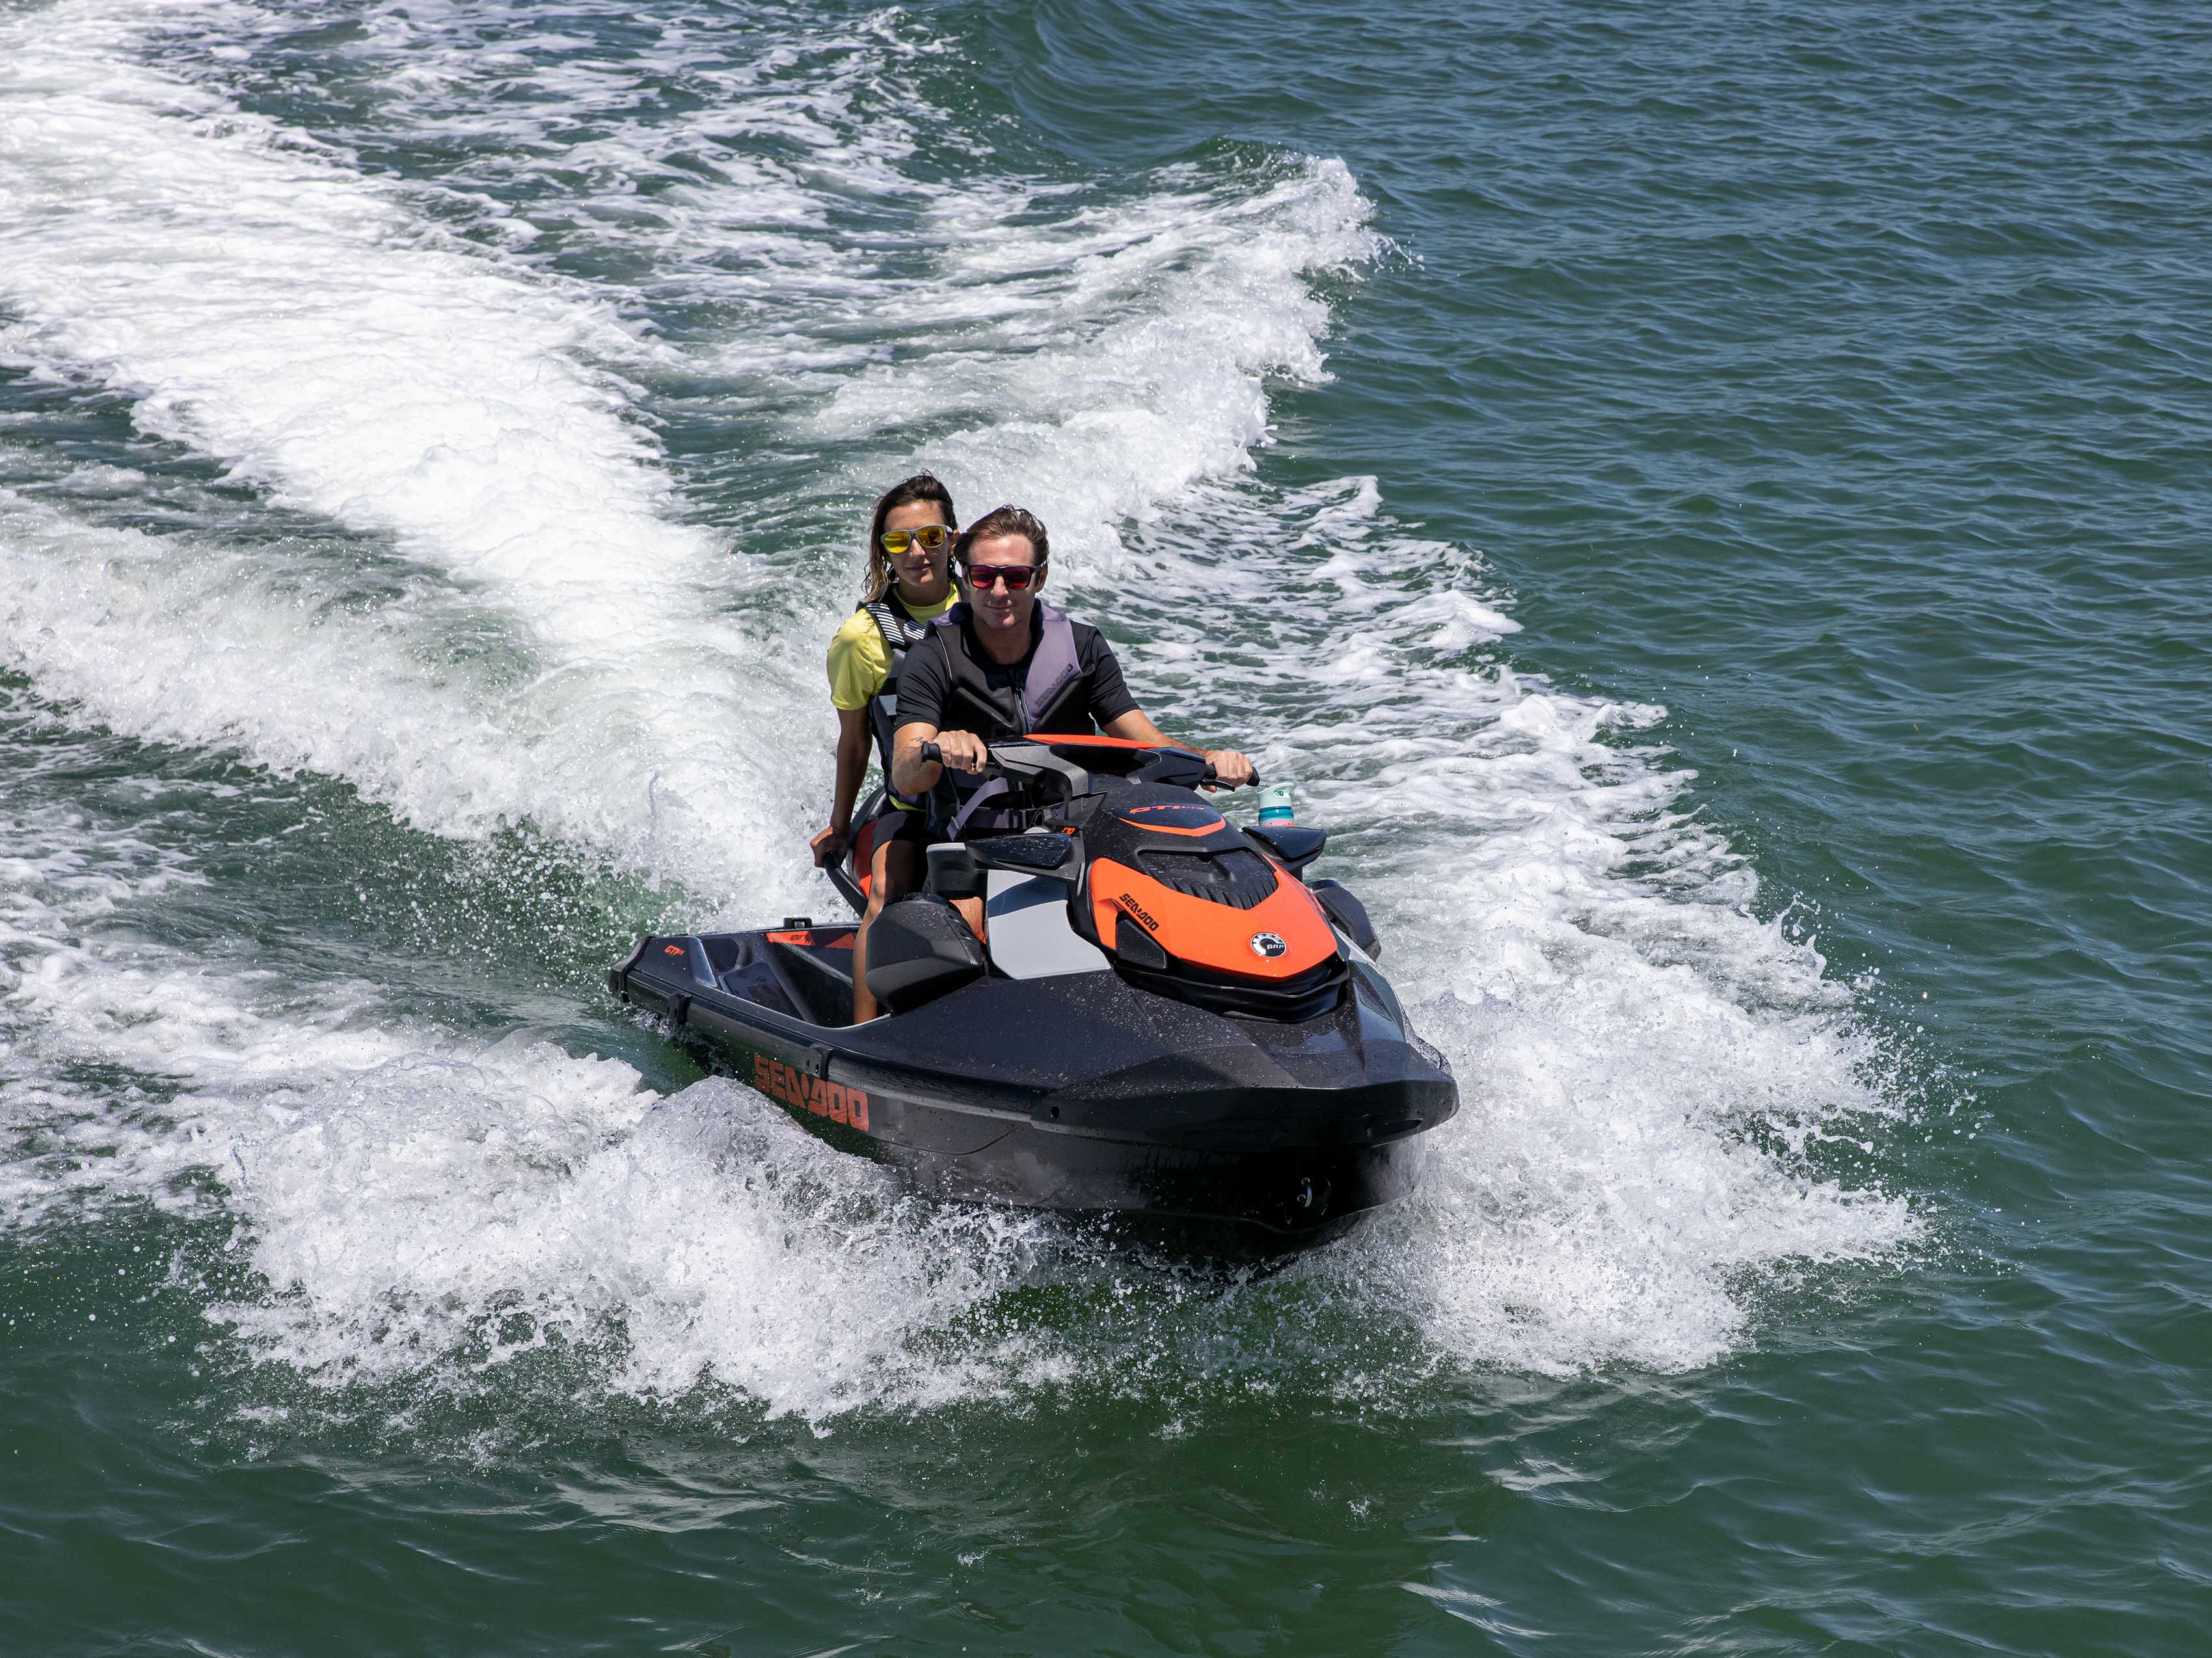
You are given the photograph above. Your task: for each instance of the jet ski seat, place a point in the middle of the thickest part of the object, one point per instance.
(743, 966)
(814, 966)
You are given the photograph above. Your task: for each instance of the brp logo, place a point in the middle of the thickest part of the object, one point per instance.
(1269, 944)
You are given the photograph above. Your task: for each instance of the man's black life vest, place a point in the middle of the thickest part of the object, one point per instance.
(1045, 698)
(901, 633)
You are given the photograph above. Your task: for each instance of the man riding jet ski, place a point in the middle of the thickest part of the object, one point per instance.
(1000, 666)
(1107, 1000)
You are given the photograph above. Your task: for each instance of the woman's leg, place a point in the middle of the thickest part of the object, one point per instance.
(895, 871)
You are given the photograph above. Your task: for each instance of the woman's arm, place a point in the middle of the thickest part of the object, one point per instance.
(854, 743)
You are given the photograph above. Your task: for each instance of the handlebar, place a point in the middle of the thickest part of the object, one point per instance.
(1212, 779)
(933, 755)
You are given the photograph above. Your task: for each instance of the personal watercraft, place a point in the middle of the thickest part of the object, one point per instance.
(1165, 1022)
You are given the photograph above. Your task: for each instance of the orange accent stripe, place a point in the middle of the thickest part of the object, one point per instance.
(1089, 742)
(1199, 834)
(821, 936)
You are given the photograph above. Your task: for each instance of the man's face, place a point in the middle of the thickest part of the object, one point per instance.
(998, 609)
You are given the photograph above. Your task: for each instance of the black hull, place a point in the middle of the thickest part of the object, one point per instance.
(1222, 1203)
(1084, 1095)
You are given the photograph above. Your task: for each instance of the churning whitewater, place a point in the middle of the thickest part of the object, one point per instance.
(506, 510)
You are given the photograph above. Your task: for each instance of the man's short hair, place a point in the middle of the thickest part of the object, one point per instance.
(1004, 521)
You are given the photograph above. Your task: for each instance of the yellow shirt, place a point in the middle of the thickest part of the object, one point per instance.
(858, 663)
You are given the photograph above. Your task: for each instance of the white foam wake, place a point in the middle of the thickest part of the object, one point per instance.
(1652, 1079)
(419, 1200)
(261, 303)
(187, 640)
(1098, 364)
(1090, 350)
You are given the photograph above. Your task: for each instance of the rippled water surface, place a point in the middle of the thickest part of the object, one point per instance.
(1708, 502)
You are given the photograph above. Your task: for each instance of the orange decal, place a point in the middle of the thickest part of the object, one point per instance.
(821, 938)
(1212, 935)
(816, 1094)
(672, 950)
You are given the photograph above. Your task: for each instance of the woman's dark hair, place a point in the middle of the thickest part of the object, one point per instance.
(920, 487)
(1004, 521)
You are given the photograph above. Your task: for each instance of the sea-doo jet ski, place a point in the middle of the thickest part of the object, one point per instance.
(1166, 1020)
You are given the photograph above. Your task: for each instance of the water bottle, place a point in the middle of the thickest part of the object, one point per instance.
(1275, 806)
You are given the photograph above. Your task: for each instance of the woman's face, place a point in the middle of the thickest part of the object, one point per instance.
(917, 566)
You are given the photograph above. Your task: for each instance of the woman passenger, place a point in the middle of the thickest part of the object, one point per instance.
(909, 582)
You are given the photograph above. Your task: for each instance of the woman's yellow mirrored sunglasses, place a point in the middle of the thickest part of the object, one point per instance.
(931, 536)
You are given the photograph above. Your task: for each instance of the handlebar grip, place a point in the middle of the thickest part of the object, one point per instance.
(931, 752)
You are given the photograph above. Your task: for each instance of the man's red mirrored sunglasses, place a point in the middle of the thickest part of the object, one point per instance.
(1015, 576)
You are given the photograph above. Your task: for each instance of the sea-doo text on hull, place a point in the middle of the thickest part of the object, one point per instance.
(1166, 1021)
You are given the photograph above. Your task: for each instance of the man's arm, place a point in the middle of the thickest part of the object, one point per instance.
(920, 704)
(910, 774)
(1234, 770)
(1118, 715)
(1134, 727)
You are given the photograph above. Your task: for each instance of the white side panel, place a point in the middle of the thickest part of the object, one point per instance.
(1031, 938)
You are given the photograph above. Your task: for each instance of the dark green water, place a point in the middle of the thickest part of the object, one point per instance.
(1708, 505)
